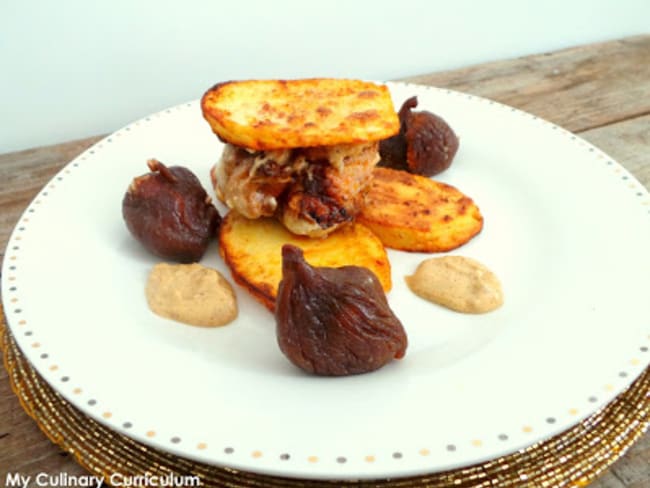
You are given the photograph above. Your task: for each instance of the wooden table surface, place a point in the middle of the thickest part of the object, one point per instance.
(599, 91)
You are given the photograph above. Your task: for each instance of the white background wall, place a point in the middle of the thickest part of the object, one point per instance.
(75, 68)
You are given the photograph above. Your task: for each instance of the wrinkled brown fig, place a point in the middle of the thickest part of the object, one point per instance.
(334, 321)
(425, 144)
(170, 213)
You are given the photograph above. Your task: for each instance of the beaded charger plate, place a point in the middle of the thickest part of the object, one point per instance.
(572, 334)
(573, 458)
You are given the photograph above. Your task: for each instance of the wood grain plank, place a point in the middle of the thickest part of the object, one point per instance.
(628, 142)
(578, 88)
(608, 480)
(23, 447)
(24, 173)
(601, 91)
(634, 471)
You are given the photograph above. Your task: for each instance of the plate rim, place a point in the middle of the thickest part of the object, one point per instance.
(14, 317)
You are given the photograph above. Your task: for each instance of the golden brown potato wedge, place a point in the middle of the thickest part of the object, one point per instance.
(414, 213)
(280, 114)
(252, 251)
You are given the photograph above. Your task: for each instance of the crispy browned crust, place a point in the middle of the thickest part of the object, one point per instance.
(278, 114)
(252, 250)
(414, 213)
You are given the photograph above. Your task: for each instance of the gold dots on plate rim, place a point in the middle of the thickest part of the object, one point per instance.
(451, 448)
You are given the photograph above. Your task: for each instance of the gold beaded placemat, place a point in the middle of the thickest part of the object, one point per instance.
(573, 458)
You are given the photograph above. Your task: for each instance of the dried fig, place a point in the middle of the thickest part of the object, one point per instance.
(425, 144)
(170, 213)
(334, 321)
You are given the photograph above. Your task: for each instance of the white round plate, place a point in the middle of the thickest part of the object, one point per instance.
(566, 230)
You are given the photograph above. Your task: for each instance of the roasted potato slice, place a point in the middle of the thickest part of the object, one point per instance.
(280, 114)
(252, 251)
(414, 213)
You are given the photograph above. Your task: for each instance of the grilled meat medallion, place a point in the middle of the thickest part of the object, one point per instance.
(300, 150)
(311, 190)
